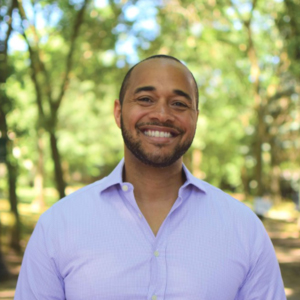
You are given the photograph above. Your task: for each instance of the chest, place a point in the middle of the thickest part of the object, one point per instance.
(155, 215)
(120, 260)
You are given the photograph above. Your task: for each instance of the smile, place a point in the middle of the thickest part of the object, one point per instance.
(156, 133)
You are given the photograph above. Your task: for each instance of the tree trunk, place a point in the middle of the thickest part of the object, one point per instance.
(12, 185)
(245, 181)
(187, 159)
(258, 101)
(4, 110)
(275, 174)
(43, 90)
(59, 179)
(275, 184)
(258, 151)
(196, 161)
(39, 202)
(12, 181)
(4, 273)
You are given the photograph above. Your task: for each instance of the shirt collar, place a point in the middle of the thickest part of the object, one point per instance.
(192, 180)
(116, 177)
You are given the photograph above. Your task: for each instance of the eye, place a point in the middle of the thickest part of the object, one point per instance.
(144, 100)
(179, 104)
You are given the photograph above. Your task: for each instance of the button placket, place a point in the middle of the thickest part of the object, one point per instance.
(159, 263)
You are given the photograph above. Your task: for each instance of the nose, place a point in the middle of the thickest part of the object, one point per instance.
(162, 112)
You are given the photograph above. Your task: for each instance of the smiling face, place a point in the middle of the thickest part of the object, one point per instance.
(158, 116)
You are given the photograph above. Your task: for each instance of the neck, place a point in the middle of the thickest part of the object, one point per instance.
(152, 184)
(155, 189)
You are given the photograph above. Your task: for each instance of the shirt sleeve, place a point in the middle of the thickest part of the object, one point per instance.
(39, 278)
(263, 281)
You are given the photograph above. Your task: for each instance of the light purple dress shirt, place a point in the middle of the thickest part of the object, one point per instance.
(96, 244)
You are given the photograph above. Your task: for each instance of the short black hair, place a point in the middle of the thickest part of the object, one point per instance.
(127, 77)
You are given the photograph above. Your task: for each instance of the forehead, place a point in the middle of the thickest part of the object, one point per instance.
(161, 72)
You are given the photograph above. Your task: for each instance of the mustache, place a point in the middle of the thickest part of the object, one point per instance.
(162, 124)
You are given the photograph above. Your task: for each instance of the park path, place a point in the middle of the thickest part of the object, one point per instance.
(285, 239)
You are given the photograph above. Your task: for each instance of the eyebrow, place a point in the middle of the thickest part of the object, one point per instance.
(144, 89)
(183, 94)
(152, 88)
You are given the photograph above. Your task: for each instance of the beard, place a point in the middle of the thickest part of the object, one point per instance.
(152, 159)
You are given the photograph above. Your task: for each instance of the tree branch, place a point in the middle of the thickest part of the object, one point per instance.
(14, 4)
(245, 22)
(38, 62)
(252, 10)
(4, 45)
(237, 12)
(69, 63)
(279, 95)
(33, 64)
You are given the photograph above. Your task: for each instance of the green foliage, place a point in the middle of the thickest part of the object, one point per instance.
(215, 40)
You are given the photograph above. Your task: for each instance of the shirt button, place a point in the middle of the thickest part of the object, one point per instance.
(140, 215)
(125, 188)
(154, 297)
(156, 254)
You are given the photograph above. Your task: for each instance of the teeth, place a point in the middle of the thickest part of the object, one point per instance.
(157, 133)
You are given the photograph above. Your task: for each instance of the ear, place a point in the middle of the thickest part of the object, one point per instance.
(117, 112)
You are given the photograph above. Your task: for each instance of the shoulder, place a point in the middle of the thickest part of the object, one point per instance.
(225, 210)
(210, 198)
(74, 216)
(75, 204)
(215, 196)
(230, 217)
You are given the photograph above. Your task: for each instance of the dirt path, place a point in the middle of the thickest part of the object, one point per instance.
(286, 242)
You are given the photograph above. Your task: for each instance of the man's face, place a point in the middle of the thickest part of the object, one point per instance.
(158, 116)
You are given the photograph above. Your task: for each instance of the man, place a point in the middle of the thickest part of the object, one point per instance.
(150, 230)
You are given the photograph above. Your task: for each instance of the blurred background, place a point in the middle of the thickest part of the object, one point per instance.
(61, 66)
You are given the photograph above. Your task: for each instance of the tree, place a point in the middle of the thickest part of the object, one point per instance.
(44, 87)
(5, 109)
(236, 53)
